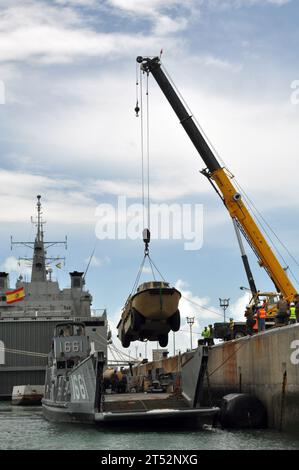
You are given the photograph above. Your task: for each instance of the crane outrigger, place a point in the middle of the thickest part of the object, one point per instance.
(222, 182)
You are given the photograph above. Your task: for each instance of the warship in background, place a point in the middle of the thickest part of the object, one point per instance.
(30, 311)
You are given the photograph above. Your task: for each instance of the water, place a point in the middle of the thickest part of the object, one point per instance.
(25, 428)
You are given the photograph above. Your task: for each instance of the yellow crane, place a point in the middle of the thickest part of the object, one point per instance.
(223, 180)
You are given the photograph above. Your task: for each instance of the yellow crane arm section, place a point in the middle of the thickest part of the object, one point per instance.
(238, 210)
(222, 180)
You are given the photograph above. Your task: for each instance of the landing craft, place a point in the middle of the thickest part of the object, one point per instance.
(75, 387)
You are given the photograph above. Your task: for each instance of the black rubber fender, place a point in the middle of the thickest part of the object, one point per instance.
(242, 411)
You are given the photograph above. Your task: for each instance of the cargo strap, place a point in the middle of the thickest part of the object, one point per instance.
(153, 269)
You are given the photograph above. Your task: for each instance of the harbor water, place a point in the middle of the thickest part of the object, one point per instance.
(25, 428)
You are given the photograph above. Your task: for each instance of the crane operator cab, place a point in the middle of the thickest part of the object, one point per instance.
(269, 300)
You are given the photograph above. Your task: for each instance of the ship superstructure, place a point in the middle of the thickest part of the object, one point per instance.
(26, 326)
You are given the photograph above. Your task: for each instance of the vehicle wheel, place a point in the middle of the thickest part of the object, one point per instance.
(163, 340)
(125, 341)
(137, 319)
(175, 321)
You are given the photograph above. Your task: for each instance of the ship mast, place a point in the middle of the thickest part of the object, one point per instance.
(39, 219)
(39, 260)
(38, 272)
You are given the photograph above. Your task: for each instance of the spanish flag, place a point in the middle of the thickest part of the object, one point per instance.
(15, 295)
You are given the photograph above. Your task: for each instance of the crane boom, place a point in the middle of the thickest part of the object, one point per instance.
(220, 177)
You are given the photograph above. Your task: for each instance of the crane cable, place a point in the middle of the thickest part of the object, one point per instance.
(137, 109)
(153, 268)
(145, 144)
(261, 221)
(145, 169)
(202, 307)
(148, 154)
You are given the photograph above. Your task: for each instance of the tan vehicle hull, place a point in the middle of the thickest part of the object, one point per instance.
(156, 305)
(150, 313)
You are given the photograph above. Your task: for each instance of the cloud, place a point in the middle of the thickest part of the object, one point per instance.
(194, 305)
(167, 16)
(78, 3)
(37, 31)
(146, 270)
(51, 45)
(213, 61)
(245, 3)
(237, 309)
(161, 190)
(64, 200)
(74, 127)
(70, 123)
(62, 32)
(14, 265)
(98, 262)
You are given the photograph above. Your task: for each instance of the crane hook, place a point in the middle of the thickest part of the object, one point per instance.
(146, 235)
(137, 109)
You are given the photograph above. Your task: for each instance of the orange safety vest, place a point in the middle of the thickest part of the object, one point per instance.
(262, 313)
(255, 326)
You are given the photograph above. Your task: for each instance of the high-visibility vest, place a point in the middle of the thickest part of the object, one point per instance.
(206, 333)
(255, 326)
(262, 313)
(292, 313)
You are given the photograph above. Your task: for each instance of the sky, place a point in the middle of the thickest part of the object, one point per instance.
(68, 131)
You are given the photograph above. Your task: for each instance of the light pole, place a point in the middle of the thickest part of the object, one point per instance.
(173, 335)
(224, 303)
(190, 321)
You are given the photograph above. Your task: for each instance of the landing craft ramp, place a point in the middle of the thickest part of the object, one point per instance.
(164, 406)
(158, 406)
(129, 402)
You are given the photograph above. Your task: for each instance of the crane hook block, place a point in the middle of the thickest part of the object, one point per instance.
(137, 109)
(146, 234)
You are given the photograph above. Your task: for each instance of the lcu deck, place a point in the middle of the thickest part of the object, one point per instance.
(129, 402)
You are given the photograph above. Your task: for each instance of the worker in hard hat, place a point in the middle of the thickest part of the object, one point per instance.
(261, 317)
(211, 337)
(282, 312)
(293, 318)
(206, 335)
(250, 321)
(255, 318)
